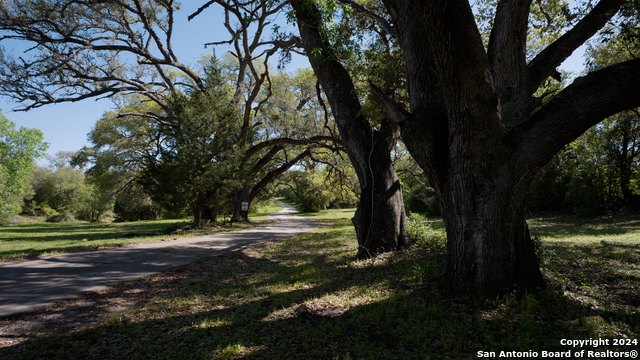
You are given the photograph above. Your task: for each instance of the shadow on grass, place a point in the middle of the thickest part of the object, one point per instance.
(41, 239)
(48, 232)
(571, 226)
(608, 272)
(246, 304)
(30, 241)
(563, 231)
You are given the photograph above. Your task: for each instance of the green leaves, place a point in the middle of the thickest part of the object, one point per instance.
(548, 20)
(18, 149)
(421, 232)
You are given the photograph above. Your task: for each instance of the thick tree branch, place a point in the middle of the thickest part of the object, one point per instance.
(260, 164)
(447, 70)
(444, 55)
(336, 82)
(393, 112)
(277, 172)
(286, 141)
(586, 102)
(545, 63)
(507, 48)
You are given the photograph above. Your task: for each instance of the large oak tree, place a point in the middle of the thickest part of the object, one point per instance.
(474, 123)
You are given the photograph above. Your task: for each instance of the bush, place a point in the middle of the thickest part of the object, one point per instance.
(32, 209)
(422, 233)
(63, 217)
(174, 213)
(421, 203)
(134, 210)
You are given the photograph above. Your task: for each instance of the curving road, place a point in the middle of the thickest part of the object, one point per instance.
(28, 285)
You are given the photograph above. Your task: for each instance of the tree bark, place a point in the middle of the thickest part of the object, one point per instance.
(243, 195)
(379, 220)
(489, 248)
(479, 133)
(482, 191)
(211, 214)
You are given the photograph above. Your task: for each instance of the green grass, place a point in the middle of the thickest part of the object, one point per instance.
(331, 214)
(33, 239)
(324, 215)
(306, 297)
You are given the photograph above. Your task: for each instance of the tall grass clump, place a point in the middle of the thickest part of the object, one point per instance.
(421, 232)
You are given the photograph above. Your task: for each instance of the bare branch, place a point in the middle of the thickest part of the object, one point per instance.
(201, 9)
(227, 42)
(80, 57)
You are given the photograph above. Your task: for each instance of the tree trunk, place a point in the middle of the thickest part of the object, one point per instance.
(625, 162)
(482, 200)
(211, 214)
(462, 109)
(489, 248)
(379, 221)
(197, 217)
(244, 195)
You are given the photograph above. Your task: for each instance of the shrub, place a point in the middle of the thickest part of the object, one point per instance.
(61, 217)
(422, 233)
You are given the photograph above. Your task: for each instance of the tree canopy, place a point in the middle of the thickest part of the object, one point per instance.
(19, 148)
(123, 50)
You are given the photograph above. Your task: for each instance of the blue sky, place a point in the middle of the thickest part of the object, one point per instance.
(66, 125)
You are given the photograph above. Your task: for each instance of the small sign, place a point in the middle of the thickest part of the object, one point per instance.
(245, 206)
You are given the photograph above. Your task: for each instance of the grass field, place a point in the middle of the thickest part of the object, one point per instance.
(30, 239)
(307, 298)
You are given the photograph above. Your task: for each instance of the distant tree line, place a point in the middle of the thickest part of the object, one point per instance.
(18, 150)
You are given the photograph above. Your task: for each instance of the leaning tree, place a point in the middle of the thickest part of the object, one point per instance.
(379, 221)
(474, 122)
